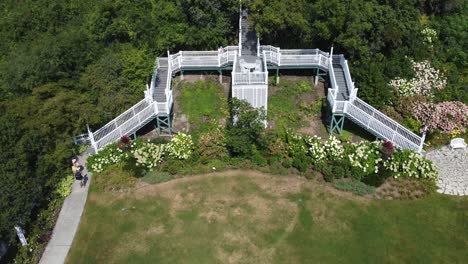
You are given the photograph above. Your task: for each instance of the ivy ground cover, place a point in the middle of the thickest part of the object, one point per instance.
(248, 217)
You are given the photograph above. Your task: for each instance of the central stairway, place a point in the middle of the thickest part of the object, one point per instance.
(343, 93)
(249, 36)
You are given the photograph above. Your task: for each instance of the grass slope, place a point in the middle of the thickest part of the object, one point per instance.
(249, 217)
(204, 103)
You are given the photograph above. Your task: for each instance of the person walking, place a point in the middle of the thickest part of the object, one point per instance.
(85, 180)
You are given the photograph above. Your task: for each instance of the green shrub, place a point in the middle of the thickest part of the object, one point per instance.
(377, 179)
(413, 124)
(339, 172)
(160, 140)
(213, 144)
(353, 186)
(340, 168)
(301, 162)
(82, 148)
(287, 162)
(173, 166)
(153, 177)
(64, 187)
(258, 159)
(327, 173)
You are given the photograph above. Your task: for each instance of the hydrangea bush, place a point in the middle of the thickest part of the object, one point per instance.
(295, 143)
(148, 155)
(445, 116)
(410, 164)
(427, 80)
(366, 157)
(181, 146)
(106, 157)
(315, 149)
(333, 149)
(430, 35)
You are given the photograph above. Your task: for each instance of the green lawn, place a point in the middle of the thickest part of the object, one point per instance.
(248, 217)
(204, 104)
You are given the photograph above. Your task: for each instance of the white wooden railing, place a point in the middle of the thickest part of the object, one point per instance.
(199, 59)
(382, 126)
(249, 78)
(295, 57)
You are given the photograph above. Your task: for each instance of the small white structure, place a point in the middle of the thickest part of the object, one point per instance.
(457, 143)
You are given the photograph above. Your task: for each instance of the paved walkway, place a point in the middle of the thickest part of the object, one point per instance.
(67, 222)
(453, 168)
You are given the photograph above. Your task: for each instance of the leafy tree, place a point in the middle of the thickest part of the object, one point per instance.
(245, 128)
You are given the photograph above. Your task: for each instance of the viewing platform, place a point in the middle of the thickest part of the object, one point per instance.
(249, 63)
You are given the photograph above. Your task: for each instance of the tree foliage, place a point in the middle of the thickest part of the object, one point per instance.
(375, 35)
(65, 64)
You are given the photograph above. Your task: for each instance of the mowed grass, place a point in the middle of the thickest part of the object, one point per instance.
(249, 217)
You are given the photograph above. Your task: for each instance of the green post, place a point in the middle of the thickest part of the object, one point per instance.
(337, 122)
(158, 125)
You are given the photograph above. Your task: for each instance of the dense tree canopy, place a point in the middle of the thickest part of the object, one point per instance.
(376, 37)
(65, 64)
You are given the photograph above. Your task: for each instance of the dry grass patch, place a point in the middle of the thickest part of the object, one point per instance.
(252, 217)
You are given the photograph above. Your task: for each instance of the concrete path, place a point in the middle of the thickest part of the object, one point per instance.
(453, 169)
(67, 222)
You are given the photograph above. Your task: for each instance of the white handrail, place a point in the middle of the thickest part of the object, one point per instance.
(265, 68)
(240, 29)
(168, 90)
(114, 123)
(388, 119)
(331, 72)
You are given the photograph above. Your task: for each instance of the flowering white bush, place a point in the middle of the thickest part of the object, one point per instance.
(430, 35)
(148, 155)
(333, 149)
(315, 148)
(295, 142)
(181, 146)
(110, 155)
(425, 82)
(366, 157)
(412, 165)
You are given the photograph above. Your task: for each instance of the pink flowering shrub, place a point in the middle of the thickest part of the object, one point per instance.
(445, 116)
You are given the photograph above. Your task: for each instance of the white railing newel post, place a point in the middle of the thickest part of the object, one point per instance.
(423, 138)
(91, 139)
